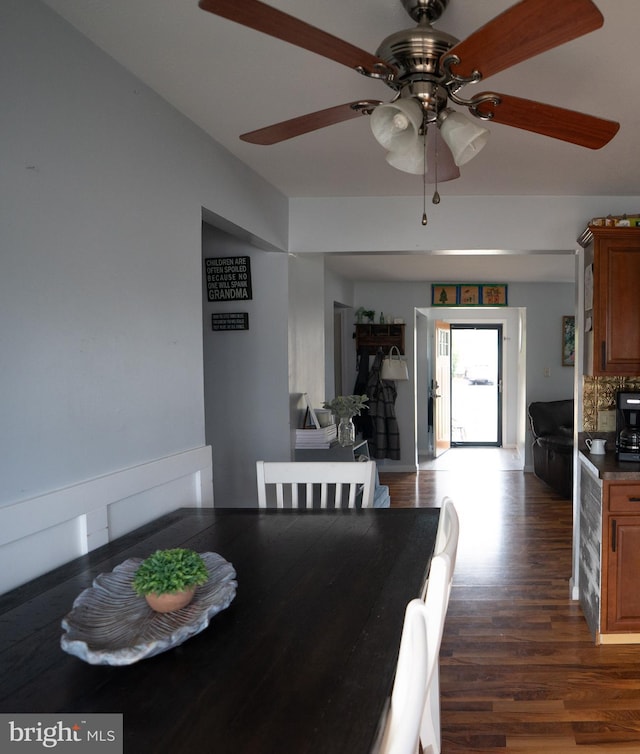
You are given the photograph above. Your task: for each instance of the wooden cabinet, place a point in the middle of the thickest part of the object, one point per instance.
(621, 557)
(372, 337)
(613, 343)
(609, 557)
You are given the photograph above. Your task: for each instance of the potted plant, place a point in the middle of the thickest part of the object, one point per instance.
(168, 578)
(345, 407)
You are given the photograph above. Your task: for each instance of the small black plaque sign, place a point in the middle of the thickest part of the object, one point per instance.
(228, 278)
(230, 321)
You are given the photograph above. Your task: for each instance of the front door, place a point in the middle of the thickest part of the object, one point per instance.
(441, 389)
(476, 384)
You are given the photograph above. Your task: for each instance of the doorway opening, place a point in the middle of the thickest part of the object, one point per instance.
(433, 390)
(476, 385)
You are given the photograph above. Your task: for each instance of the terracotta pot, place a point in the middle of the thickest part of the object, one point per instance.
(170, 601)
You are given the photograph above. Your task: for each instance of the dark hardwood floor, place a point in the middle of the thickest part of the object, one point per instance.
(519, 669)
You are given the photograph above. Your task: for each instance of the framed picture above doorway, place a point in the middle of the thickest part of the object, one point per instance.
(468, 294)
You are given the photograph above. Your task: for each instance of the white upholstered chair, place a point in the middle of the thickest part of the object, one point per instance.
(334, 484)
(405, 724)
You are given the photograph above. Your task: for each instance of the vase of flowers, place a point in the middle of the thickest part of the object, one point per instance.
(344, 408)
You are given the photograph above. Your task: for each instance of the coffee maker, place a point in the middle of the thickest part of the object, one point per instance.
(628, 426)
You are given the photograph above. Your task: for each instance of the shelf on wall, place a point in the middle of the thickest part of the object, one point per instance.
(372, 337)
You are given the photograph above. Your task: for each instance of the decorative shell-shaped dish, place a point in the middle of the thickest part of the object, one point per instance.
(110, 624)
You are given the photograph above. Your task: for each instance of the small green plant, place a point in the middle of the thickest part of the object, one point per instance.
(169, 571)
(346, 406)
(369, 314)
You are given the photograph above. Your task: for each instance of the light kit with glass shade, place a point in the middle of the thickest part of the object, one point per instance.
(400, 128)
(428, 68)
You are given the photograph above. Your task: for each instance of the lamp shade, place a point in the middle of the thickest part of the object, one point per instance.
(410, 160)
(396, 126)
(463, 137)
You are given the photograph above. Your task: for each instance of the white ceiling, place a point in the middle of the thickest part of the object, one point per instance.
(229, 79)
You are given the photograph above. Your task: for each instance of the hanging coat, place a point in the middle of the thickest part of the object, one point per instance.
(385, 440)
(363, 423)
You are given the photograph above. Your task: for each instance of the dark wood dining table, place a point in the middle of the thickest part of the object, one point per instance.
(302, 660)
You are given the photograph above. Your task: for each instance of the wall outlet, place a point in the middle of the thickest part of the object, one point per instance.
(547, 371)
(607, 420)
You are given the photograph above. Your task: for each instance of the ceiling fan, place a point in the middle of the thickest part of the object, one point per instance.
(428, 69)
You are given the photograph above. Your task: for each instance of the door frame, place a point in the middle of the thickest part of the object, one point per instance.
(499, 328)
(441, 387)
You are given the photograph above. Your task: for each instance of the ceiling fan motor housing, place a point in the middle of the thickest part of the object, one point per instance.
(415, 53)
(429, 9)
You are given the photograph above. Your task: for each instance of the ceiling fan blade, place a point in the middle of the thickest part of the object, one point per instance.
(276, 23)
(287, 129)
(548, 120)
(524, 30)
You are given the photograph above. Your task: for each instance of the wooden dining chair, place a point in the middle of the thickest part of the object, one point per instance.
(446, 545)
(330, 484)
(417, 663)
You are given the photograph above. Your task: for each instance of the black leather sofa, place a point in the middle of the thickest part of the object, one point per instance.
(551, 424)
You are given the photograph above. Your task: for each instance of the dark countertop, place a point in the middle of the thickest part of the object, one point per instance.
(607, 467)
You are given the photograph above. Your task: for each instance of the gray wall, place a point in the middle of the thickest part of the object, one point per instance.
(306, 332)
(255, 380)
(338, 296)
(101, 194)
(246, 374)
(546, 304)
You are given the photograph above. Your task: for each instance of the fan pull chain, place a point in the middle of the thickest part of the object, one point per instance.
(436, 195)
(424, 177)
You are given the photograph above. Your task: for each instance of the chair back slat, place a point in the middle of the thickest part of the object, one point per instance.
(330, 484)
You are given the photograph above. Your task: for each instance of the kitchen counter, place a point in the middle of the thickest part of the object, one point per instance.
(607, 545)
(607, 467)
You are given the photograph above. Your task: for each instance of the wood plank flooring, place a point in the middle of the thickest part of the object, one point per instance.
(519, 669)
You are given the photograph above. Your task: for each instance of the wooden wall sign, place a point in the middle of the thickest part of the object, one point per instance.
(230, 321)
(228, 278)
